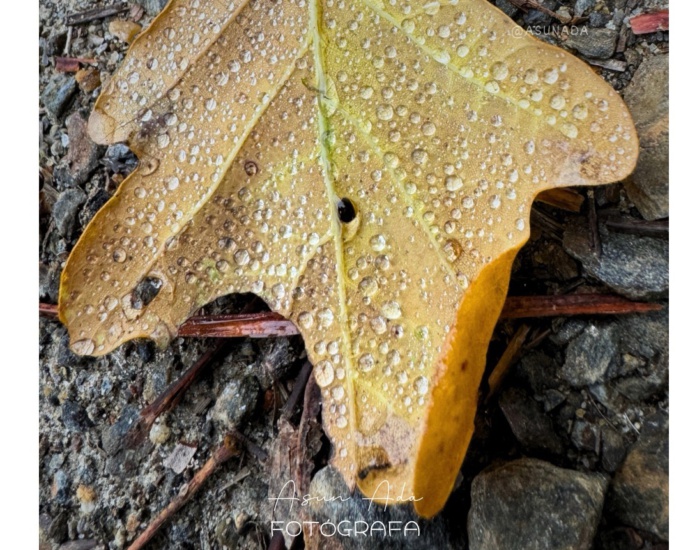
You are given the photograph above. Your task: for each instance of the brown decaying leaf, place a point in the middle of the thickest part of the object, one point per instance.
(254, 121)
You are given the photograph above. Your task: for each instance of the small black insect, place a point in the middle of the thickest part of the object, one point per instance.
(346, 210)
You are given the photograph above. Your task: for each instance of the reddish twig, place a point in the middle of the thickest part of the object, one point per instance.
(256, 325)
(72, 64)
(521, 307)
(297, 390)
(227, 450)
(650, 22)
(47, 310)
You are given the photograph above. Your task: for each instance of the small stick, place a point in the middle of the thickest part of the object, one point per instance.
(227, 450)
(47, 310)
(520, 307)
(252, 447)
(256, 325)
(297, 390)
(509, 357)
(68, 42)
(640, 227)
(87, 16)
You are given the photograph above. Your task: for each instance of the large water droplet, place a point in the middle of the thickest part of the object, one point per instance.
(324, 373)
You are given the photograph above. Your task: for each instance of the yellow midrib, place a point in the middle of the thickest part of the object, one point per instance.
(319, 68)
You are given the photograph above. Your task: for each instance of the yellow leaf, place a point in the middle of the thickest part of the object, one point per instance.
(367, 168)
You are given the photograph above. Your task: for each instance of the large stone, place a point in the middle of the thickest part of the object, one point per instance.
(595, 43)
(528, 422)
(533, 504)
(236, 403)
(639, 491)
(647, 98)
(645, 369)
(636, 267)
(590, 354)
(66, 208)
(83, 154)
(331, 504)
(58, 94)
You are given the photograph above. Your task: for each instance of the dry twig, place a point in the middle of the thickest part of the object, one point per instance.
(227, 450)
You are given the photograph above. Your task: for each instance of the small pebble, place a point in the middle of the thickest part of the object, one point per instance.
(87, 498)
(159, 433)
(88, 79)
(124, 30)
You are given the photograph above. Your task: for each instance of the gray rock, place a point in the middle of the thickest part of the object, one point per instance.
(582, 6)
(120, 159)
(530, 425)
(567, 331)
(551, 399)
(153, 7)
(331, 501)
(643, 387)
(237, 402)
(539, 370)
(57, 530)
(598, 20)
(636, 267)
(61, 487)
(66, 208)
(647, 97)
(57, 94)
(586, 436)
(83, 154)
(48, 281)
(595, 43)
(589, 355)
(646, 338)
(113, 436)
(646, 335)
(509, 9)
(537, 17)
(532, 504)
(613, 449)
(74, 417)
(639, 491)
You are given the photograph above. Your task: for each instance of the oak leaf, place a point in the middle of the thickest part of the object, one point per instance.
(367, 168)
